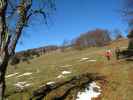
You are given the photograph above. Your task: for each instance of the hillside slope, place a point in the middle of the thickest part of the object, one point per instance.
(50, 68)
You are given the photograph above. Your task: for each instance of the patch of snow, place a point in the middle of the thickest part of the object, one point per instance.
(25, 74)
(66, 72)
(49, 83)
(11, 75)
(21, 85)
(66, 66)
(63, 73)
(60, 76)
(92, 91)
(18, 83)
(27, 85)
(83, 59)
(93, 84)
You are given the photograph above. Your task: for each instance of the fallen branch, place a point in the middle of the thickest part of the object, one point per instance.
(74, 82)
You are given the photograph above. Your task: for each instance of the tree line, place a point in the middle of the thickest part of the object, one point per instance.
(94, 38)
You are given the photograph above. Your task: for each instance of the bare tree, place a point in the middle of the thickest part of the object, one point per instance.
(65, 44)
(15, 15)
(118, 34)
(128, 14)
(98, 37)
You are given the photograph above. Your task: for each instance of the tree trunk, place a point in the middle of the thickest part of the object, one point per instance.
(2, 84)
(130, 45)
(4, 58)
(3, 65)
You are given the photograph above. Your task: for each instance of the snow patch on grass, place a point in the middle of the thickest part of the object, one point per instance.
(25, 74)
(21, 85)
(49, 83)
(11, 75)
(66, 72)
(66, 66)
(63, 73)
(83, 59)
(60, 76)
(92, 91)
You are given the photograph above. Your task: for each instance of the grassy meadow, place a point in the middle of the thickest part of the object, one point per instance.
(48, 67)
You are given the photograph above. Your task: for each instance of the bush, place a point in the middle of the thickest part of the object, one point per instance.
(15, 60)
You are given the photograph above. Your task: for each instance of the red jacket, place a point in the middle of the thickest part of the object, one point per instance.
(108, 54)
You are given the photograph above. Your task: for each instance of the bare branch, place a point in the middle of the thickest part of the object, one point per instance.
(24, 8)
(34, 12)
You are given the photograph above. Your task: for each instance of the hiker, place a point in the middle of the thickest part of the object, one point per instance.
(117, 52)
(108, 54)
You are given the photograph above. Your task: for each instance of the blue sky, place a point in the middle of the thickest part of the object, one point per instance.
(72, 18)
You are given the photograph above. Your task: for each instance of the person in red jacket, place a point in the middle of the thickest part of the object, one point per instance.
(108, 54)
